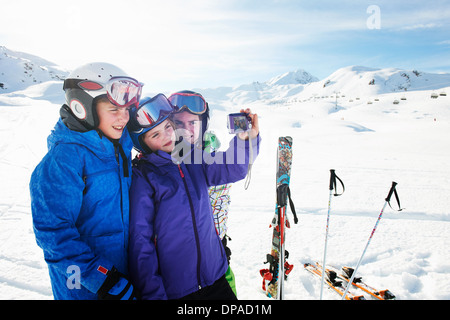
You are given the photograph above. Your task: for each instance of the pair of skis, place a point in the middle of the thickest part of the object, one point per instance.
(339, 281)
(279, 268)
(332, 281)
(347, 273)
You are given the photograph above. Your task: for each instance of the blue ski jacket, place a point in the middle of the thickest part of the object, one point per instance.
(80, 209)
(174, 247)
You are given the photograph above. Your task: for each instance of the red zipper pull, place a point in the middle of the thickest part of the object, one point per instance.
(181, 172)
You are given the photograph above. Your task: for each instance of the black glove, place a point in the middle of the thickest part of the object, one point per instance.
(117, 287)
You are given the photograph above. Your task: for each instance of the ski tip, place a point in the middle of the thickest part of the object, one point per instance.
(287, 139)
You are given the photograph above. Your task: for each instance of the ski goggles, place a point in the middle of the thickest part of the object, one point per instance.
(193, 102)
(153, 111)
(121, 91)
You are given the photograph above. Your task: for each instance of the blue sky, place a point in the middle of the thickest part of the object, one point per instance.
(173, 44)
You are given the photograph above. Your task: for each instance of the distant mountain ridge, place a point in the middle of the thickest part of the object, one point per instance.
(20, 70)
(299, 76)
(378, 81)
(353, 81)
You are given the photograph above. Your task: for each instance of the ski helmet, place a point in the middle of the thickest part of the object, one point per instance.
(150, 113)
(194, 103)
(87, 83)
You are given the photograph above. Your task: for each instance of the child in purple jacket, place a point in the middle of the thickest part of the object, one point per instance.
(175, 252)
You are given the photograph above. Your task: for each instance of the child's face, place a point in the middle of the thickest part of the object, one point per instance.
(161, 137)
(112, 119)
(188, 125)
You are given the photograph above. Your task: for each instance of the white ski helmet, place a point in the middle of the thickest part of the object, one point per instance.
(90, 81)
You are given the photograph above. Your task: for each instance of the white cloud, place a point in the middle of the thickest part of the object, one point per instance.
(420, 26)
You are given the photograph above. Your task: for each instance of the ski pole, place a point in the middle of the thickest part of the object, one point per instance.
(332, 187)
(387, 201)
(283, 194)
(281, 256)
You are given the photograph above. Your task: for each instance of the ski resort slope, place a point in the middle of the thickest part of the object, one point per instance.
(363, 135)
(369, 146)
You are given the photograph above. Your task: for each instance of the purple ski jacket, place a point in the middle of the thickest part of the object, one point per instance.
(174, 248)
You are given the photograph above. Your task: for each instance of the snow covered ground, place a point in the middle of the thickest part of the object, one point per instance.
(369, 146)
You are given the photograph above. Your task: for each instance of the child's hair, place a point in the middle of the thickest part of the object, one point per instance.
(102, 98)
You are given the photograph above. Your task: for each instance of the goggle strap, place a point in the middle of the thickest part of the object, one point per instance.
(185, 107)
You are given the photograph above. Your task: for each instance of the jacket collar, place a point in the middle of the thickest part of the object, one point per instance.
(98, 144)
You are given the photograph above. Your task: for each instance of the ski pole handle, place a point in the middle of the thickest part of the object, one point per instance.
(333, 185)
(282, 194)
(391, 192)
(388, 198)
(332, 179)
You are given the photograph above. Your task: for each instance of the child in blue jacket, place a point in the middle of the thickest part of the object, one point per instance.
(80, 189)
(175, 251)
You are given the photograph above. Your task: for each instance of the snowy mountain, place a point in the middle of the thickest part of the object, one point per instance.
(19, 70)
(286, 84)
(295, 77)
(24, 76)
(348, 121)
(353, 82)
(357, 80)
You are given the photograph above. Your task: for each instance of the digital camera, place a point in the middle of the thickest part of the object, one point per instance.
(239, 122)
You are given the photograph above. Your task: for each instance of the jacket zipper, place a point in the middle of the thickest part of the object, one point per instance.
(116, 153)
(194, 224)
